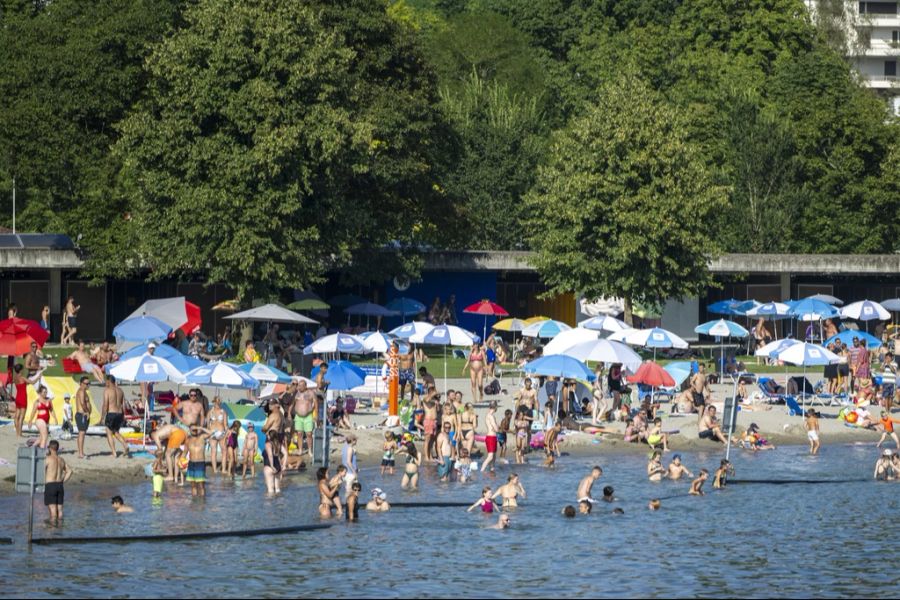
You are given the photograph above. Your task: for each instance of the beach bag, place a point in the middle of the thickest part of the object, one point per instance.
(493, 388)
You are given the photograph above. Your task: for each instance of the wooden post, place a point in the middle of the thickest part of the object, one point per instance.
(31, 493)
(394, 381)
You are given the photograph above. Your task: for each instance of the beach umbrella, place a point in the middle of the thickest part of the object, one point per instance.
(346, 300)
(182, 362)
(807, 355)
(343, 375)
(263, 372)
(846, 337)
(221, 374)
(17, 335)
(605, 351)
(369, 309)
(865, 310)
(142, 329)
(604, 323)
(488, 309)
(770, 311)
(545, 329)
(680, 370)
(813, 310)
(743, 307)
(827, 299)
(337, 343)
(723, 307)
(177, 313)
(562, 366)
(511, 325)
(406, 307)
(654, 338)
(378, 342)
(309, 304)
(722, 329)
(243, 412)
(772, 349)
(650, 373)
(566, 339)
(445, 335)
(535, 319)
(892, 305)
(271, 313)
(408, 330)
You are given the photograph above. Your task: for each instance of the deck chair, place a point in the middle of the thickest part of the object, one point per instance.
(823, 398)
(772, 394)
(794, 408)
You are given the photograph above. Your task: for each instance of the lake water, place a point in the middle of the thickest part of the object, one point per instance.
(746, 541)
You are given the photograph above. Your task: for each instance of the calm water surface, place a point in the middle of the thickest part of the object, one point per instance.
(746, 541)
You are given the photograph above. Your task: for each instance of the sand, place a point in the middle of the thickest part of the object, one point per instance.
(773, 421)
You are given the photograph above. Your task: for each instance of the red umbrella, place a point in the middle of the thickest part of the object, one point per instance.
(486, 308)
(193, 318)
(653, 375)
(17, 334)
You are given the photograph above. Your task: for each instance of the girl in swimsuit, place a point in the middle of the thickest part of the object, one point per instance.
(450, 416)
(655, 470)
(521, 436)
(387, 458)
(475, 364)
(411, 469)
(468, 421)
(43, 410)
(485, 502)
(229, 461)
(21, 384)
(216, 423)
(272, 463)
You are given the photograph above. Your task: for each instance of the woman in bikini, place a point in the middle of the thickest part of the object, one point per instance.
(411, 469)
(327, 492)
(217, 424)
(510, 491)
(475, 364)
(522, 426)
(272, 463)
(468, 423)
(43, 410)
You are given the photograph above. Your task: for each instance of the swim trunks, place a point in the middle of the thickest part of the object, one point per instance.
(813, 436)
(699, 400)
(501, 438)
(708, 434)
(444, 467)
(87, 367)
(176, 439)
(407, 376)
(196, 472)
(387, 462)
(82, 422)
(72, 322)
(304, 424)
(158, 483)
(54, 493)
(587, 499)
(114, 421)
(430, 426)
(490, 442)
(654, 439)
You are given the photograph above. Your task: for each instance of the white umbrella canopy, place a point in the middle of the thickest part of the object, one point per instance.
(604, 323)
(445, 335)
(865, 310)
(271, 313)
(170, 311)
(656, 337)
(566, 339)
(408, 330)
(343, 343)
(606, 351)
(146, 368)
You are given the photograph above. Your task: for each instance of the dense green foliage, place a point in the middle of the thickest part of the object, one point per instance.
(262, 143)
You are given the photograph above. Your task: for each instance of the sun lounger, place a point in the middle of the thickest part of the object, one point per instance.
(794, 409)
(767, 392)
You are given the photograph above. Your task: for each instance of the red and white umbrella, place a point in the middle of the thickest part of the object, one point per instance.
(177, 313)
(488, 309)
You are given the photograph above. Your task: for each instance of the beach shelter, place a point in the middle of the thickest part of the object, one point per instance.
(16, 336)
(177, 313)
(722, 329)
(566, 339)
(650, 373)
(445, 335)
(488, 309)
(57, 388)
(545, 329)
(807, 355)
(605, 351)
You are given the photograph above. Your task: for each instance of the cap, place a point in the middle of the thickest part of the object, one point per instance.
(151, 345)
(753, 427)
(379, 493)
(66, 396)
(888, 452)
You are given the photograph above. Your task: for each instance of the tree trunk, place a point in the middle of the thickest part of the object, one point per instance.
(628, 317)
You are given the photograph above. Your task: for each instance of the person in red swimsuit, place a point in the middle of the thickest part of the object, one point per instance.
(21, 384)
(43, 410)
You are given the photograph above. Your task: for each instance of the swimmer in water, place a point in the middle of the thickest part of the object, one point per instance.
(352, 511)
(486, 502)
(379, 502)
(510, 491)
(677, 470)
(720, 480)
(584, 507)
(608, 492)
(884, 467)
(503, 522)
(119, 505)
(697, 484)
(618, 511)
(568, 511)
(655, 470)
(587, 484)
(654, 504)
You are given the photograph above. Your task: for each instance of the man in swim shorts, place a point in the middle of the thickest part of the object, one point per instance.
(113, 416)
(304, 424)
(196, 454)
(83, 409)
(584, 488)
(81, 356)
(445, 451)
(56, 474)
(490, 440)
(407, 368)
(709, 428)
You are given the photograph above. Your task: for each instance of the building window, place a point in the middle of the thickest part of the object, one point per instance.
(878, 8)
(895, 37)
(890, 68)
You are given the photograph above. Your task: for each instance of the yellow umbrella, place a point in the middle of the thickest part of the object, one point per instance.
(510, 325)
(226, 306)
(533, 320)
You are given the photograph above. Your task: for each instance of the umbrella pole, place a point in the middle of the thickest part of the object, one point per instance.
(445, 371)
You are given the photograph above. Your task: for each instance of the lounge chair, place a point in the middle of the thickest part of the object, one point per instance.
(772, 393)
(794, 409)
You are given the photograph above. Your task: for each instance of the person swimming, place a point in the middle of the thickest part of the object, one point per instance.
(654, 504)
(884, 467)
(486, 502)
(697, 484)
(655, 470)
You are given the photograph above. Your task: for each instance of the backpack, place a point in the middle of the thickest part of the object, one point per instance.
(493, 388)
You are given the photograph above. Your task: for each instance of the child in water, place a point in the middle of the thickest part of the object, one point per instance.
(725, 469)
(812, 430)
(697, 484)
(464, 466)
(486, 502)
(388, 448)
(504, 431)
(159, 473)
(231, 444)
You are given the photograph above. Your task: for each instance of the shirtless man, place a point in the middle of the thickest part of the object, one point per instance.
(510, 492)
(430, 406)
(697, 484)
(32, 361)
(81, 356)
(275, 420)
(196, 453)
(709, 428)
(551, 444)
(450, 425)
(490, 439)
(445, 451)
(677, 470)
(70, 325)
(304, 424)
(699, 389)
(527, 396)
(502, 523)
(112, 415)
(83, 409)
(174, 435)
(584, 488)
(56, 474)
(407, 372)
(103, 355)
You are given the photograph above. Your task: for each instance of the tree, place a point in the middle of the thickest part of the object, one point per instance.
(624, 206)
(281, 140)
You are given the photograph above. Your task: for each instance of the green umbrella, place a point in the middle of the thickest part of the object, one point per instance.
(309, 304)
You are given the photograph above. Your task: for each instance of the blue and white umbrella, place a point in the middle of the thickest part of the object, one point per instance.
(145, 369)
(344, 375)
(445, 335)
(340, 343)
(406, 307)
(263, 372)
(808, 355)
(221, 374)
(567, 339)
(722, 328)
(742, 308)
(679, 370)
(182, 362)
(604, 323)
(723, 307)
(142, 329)
(770, 311)
(846, 337)
(605, 351)
(560, 365)
(380, 343)
(865, 310)
(657, 337)
(545, 329)
(404, 332)
(772, 349)
(813, 310)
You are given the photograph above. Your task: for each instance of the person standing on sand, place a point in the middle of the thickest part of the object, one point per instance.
(83, 410)
(112, 415)
(56, 474)
(812, 431)
(587, 484)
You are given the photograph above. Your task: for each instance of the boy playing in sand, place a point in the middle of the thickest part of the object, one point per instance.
(812, 431)
(697, 484)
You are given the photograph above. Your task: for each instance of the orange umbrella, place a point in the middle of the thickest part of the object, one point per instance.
(653, 375)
